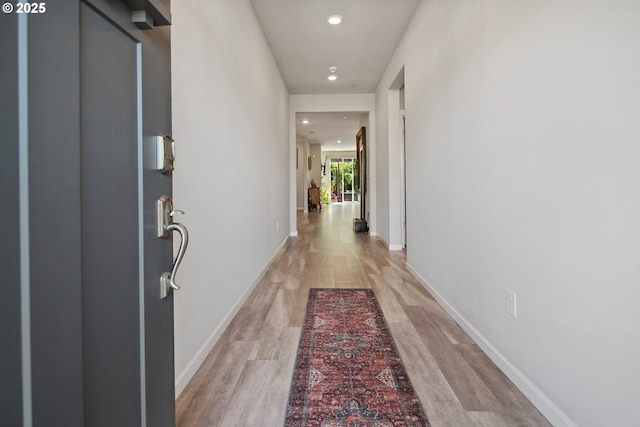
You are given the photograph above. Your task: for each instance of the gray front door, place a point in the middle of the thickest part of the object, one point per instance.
(92, 340)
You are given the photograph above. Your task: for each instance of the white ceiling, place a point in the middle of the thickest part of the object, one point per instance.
(305, 45)
(329, 128)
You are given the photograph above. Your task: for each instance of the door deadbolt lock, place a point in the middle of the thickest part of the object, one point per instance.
(165, 216)
(165, 154)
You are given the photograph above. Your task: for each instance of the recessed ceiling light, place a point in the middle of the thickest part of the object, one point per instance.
(344, 117)
(334, 19)
(333, 70)
(305, 122)
(332, 77)
(339, 142)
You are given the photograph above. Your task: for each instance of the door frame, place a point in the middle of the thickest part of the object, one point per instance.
(403, 179)
(361, 162)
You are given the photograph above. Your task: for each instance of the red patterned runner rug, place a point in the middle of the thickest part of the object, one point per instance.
(348, 372)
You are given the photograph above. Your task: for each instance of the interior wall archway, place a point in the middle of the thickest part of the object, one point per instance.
(330, 103)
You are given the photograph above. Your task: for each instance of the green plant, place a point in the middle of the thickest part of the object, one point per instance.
(325, 195)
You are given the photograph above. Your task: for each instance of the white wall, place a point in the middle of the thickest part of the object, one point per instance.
(381, 150)
(523, 140)
(315, 151)
(230, 123)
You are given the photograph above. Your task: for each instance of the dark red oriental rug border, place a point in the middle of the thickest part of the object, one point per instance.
(348, 371)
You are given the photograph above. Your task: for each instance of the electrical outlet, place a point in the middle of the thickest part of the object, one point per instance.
(511, 302)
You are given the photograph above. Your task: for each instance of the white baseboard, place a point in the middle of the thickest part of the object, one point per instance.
(183, 378)
(391, 247)
(381, 240)
(541, 401)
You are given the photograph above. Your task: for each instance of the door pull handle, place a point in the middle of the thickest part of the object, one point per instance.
(167, 280)
(165, 227)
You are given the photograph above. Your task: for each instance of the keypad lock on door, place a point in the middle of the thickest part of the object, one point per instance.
(165, 227)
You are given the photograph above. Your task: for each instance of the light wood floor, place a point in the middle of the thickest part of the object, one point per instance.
(245, 379)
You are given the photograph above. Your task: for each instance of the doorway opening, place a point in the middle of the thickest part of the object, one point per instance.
(396, 164)
(343, 172)
(328, 133)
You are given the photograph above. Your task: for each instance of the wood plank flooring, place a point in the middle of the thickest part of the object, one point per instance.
(245, 379)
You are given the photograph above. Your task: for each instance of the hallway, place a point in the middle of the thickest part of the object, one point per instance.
(245, 379)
